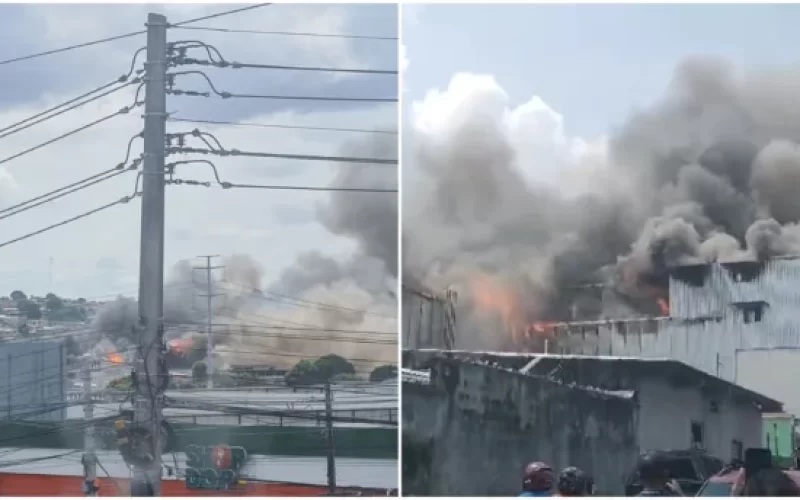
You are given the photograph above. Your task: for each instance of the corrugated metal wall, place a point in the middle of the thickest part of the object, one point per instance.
(32, 381)
(424, 320)
(706, 329)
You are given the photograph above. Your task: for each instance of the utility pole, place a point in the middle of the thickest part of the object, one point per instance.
(149, 399)
(209, 334)
(89, 456)
(329, 439)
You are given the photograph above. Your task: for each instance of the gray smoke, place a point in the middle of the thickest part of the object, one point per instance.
(706, 173)
(287, 320)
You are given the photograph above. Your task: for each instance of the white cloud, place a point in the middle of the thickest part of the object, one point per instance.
(543, 151)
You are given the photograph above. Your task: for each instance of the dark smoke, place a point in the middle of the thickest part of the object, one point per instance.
(357, 293)
(709, 172)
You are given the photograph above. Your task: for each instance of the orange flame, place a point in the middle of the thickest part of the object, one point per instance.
(663, 305)
(543, 328)
(181, 347)
(114, 358)
(490, 296)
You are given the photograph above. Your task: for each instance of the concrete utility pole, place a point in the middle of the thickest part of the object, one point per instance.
(329, 439)
(89, 455)
(149, 399)
(209, 313)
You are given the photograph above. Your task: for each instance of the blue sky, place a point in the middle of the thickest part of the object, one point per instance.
(592, 63)
(98, 256)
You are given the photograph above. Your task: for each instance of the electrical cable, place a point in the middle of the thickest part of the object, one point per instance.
(70, 108)
(283, 156)
(291, 33)
(72, 47)
(229, 95)
(218, 14)
(282, 126)
(121, 201)
(229, 185)
(182, 61)
(122, 111)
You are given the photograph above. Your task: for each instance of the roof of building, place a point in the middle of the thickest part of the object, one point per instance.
(538, 364)
(350, 472)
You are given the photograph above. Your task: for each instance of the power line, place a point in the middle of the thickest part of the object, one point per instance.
(282, 126)
(218, 14)
(122, 111)
(230, 95)
(121, 201)
(181, 61)
(126, 35)
(291, 33)
(230, 185)
(72, 47)
(285, 156)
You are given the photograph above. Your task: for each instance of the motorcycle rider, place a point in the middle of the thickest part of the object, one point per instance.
(573, 482)
(537, 480)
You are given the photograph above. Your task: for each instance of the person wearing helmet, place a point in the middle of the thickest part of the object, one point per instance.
(573, 482)
(655, 478)
(537, 480)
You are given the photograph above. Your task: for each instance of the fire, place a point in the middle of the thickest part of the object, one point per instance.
(115, 358)
(663, 306)
(543, 328)
(492, 297)
(181, 347)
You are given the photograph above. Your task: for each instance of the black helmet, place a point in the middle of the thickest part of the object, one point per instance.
(573, 482)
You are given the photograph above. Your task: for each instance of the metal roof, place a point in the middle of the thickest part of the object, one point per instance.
(542, 364)
(350, 472)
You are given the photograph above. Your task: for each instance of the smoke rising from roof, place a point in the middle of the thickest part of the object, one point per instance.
(286, 321)
(708, 172)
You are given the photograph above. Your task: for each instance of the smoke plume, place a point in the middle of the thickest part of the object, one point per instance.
(708, 172)
(319, 305)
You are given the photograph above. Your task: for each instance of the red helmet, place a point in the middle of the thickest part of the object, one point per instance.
(538, 476)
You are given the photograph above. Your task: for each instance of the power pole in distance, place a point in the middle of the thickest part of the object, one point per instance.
(209, 335)
(149, 398)
(89, 458)
(329, 439)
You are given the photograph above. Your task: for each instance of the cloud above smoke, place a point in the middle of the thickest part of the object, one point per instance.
(705, 173)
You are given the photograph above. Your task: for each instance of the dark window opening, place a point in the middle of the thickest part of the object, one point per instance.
(697, 435)
(752, 312)
(737, 450)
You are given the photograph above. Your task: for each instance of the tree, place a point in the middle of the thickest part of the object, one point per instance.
(332, 365)
(199, 372)
(81, 300)
(303, 373)
(17, 296)
(383, 372)
(53, 303)
(30, 309)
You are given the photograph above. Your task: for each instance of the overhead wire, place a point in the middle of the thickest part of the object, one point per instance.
(122, 111)
(121, 80)
(183, 61)
(290, 33)
(230, 95)
(282, 126)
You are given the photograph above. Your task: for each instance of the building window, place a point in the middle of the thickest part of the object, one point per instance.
(697, 435)
(752, 312)
(737, 450)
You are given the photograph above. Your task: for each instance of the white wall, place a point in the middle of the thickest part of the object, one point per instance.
(774, 373)
(666, 414)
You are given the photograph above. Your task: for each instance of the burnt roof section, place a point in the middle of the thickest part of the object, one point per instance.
(691, 274)
(744, 270)
(604, 372)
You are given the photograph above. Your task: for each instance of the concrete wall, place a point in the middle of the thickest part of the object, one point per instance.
(32, 381)
(666, 413)
(475, 427)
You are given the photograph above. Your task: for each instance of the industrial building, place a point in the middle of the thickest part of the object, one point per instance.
(33, 381)
(738, 321)
(471, 419)
(428, 319)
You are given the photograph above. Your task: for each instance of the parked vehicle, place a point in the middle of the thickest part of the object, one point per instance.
(690, 468)
(720, 485)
